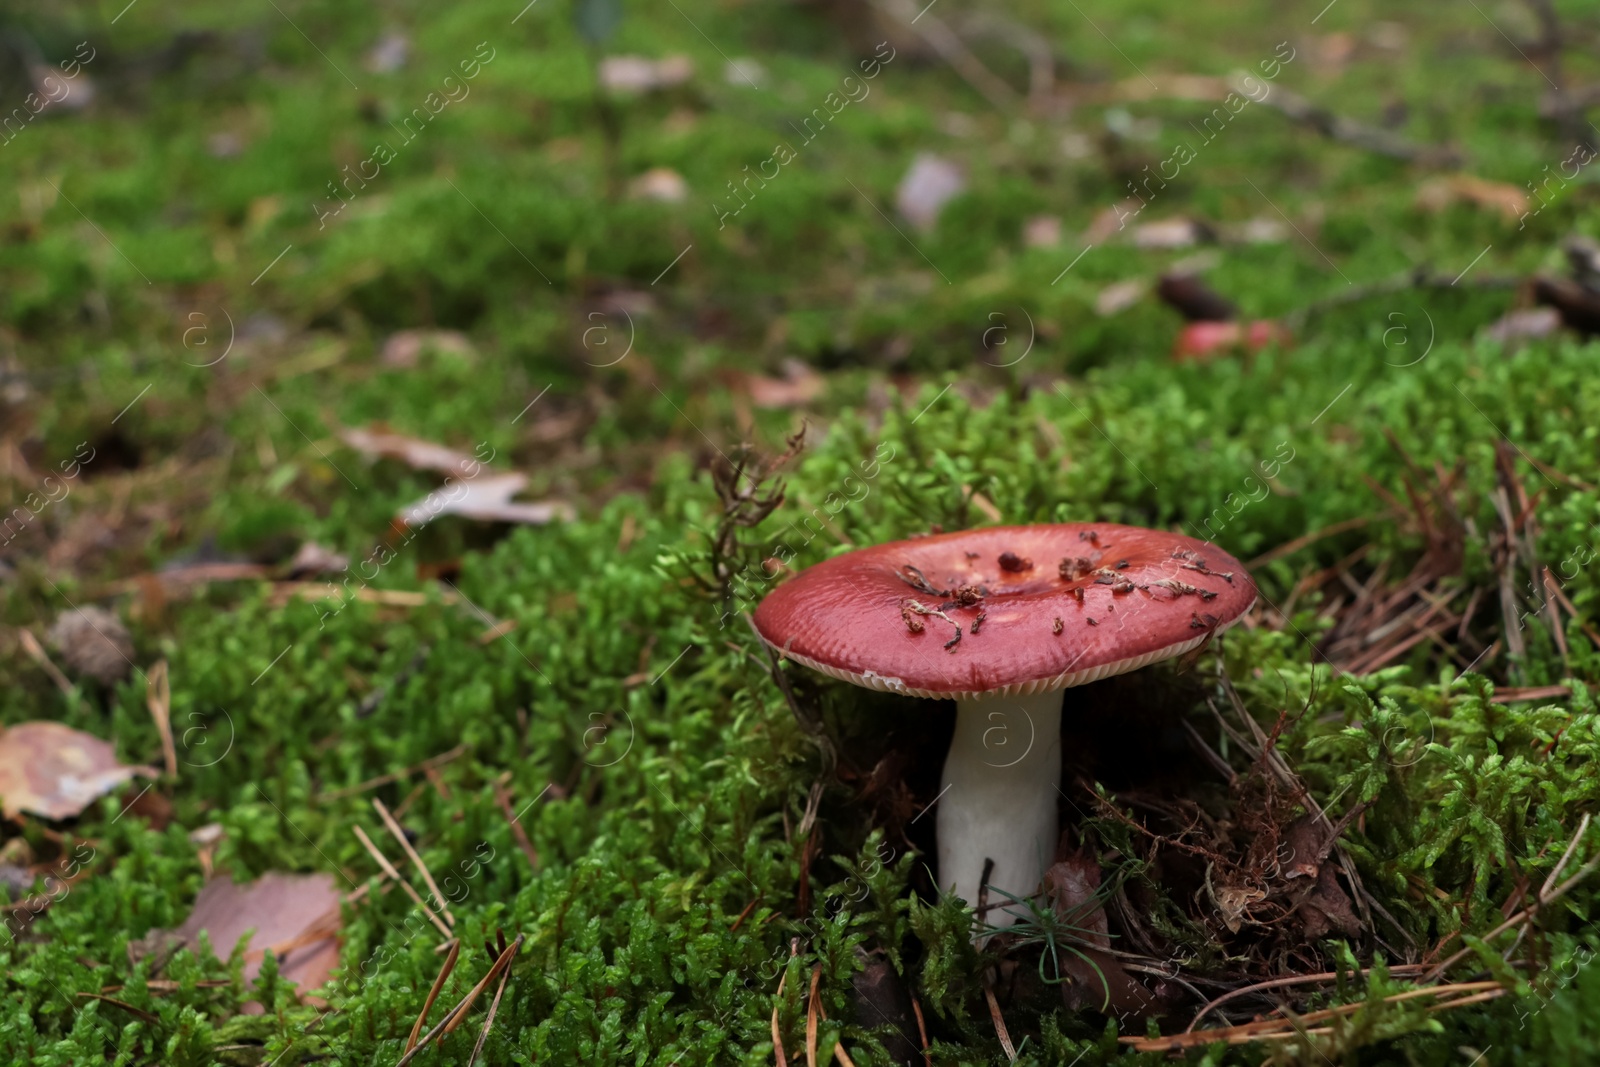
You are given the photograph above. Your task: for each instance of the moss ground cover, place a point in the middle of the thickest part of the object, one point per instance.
(696, 839)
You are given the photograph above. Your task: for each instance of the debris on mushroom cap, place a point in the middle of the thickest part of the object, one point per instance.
(854, 618)
(1058, 627)
(1014, 564)
(1075, 567)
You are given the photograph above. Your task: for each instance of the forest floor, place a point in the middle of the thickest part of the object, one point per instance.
(402, 406)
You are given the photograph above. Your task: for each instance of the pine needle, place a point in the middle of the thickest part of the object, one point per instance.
(433, 994)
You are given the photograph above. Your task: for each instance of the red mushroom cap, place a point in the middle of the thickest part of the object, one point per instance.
(1005, 610)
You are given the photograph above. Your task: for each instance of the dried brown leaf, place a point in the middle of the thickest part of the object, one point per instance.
(54, 771)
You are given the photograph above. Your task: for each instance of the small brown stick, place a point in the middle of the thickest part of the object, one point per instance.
(743, 915)
(838, 1046)
(503, 797)
(811, 1017)
(454, 1016)
(488, 1023)
(922, 1031)
(1210, 754)
(1274, 760)
(1290, 547)
(999, 1023)
(1283, 1028)
(36, 652)
(1279, 983)
(158, 698)
(395, 776)
(777, 1037)
(1547, 896)
(954, 51)
(1339, 128)
(138, 1013)
(388, 869)
(433, 994)
(405, 846)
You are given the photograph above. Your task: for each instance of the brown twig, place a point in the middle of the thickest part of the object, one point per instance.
(922, 1031)
(36, 652)
(999, 1022)
(158, 698)
(811, 1016)
(389, 869)
(1291, 547)
(777, 1036)
(394, 776)
(433, 994)
(488, 1022)
(138, 1013)
(453, 1017)
(1349, 131)
(503, 798)
(1547, 896)
(1298, 979)
(1282, 1029)
(416, 860)
(954, 51)
(745, 914)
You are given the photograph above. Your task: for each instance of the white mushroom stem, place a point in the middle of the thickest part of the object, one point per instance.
(1001, 780)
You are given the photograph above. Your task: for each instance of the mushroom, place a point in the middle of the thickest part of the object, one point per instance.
(902, 617)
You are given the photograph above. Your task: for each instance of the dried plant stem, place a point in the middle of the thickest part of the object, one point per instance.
(416, 860)
(388, 869)
(433, 994)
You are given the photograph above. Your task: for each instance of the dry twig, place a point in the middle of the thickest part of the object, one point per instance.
(416, 860)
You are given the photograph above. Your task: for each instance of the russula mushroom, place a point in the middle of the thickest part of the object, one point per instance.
(1000, 620)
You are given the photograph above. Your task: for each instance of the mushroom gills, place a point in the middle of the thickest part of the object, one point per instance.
(1001, 779)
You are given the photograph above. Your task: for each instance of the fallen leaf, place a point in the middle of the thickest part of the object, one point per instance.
(417, 454)
(799, 385)
(55, 771)
(313, 558)
(405, 347)
(1331, 52)
(1579, 307)
(745, 72)
(1042, 231)
(75, 93)
(1173, 87)
(1328, 909)
(225, 144)
(1171, 233)
(661, 184)
(389, 54)
(1390, 36)
(930, 184)
(487, 499)
(294, 915)
(1110, 221)
(1441, 193)
(1072, 885)
(94, 642)
(640, 74)
(1233, 901)
(1259, 231)
(1523, 325)
(1120, 296)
